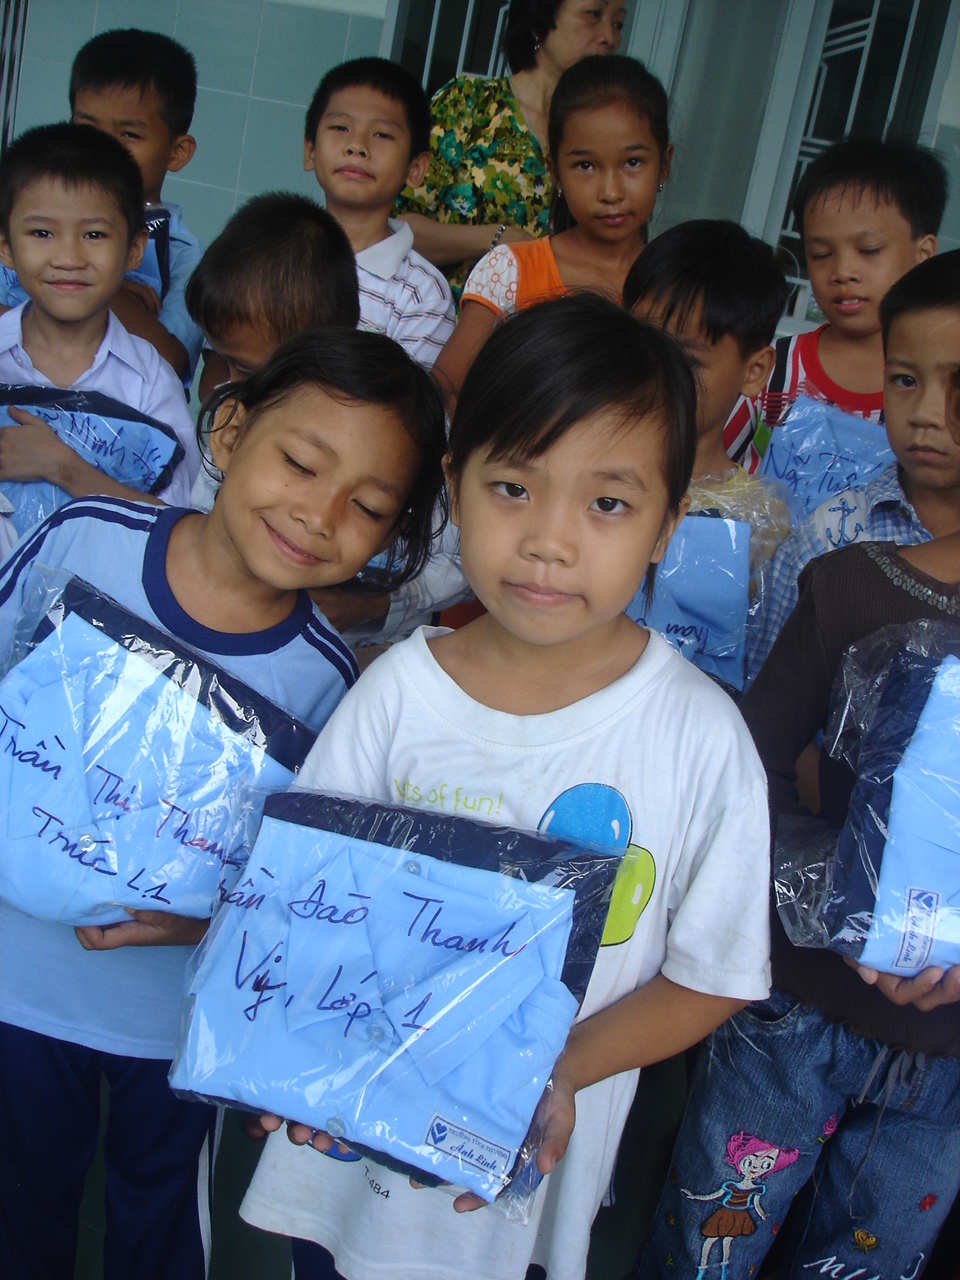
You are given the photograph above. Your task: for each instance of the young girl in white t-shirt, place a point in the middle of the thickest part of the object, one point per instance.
(570, 455)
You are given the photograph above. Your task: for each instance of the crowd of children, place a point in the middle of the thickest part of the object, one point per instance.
(363, 459)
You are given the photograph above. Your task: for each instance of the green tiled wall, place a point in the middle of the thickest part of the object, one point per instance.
(258, 63)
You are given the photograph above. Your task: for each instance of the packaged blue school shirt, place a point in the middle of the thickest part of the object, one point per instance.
(401, 979)
(125, 444)
(701, 595)
(886, 888)
(820, 451)
(123, 763)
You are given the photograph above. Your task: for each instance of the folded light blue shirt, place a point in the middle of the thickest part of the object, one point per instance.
(413, 1007)
(819, 451)
(886, 888)
(701, 595)
(123, 443)
(898, 882)
(120, 788)
(284, 680)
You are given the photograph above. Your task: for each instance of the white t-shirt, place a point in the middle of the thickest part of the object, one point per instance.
(658, 762)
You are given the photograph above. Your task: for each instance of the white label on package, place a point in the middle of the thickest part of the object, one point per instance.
(919, 928)
(470, 1148)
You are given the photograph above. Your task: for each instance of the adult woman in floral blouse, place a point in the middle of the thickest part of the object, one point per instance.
(488, 180)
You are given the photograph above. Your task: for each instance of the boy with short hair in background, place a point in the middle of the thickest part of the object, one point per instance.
(366, 136)
(916, 498)
(720, 293)
(141, 87)
(71, 225)
(281, 266)
(867, 211)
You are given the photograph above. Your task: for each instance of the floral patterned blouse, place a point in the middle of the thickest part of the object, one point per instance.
(485, 164)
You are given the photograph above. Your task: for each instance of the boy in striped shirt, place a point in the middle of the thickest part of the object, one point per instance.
(366, 136)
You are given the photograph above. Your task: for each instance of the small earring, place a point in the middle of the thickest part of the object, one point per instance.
(536, 44)
(660, 186)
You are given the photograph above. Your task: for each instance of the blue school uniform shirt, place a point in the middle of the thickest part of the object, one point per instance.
(171, 255)
(125, 765)
(128, 1001)
(184, 253)
(421, 1005)
(701, 595)
(819, 452)
(895, 890)
(127, 369)
(125, 444)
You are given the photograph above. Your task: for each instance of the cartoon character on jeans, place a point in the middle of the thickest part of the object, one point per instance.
(753, 1159)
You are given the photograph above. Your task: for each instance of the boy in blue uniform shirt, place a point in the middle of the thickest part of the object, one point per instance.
(141, 87)
(71, 225)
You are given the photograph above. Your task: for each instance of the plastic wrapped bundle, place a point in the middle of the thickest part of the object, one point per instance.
(820, 451)
(154, 268)
(125, 444)
(401, 979)
(886, 888)
(123, 762)
(701, 596)
(709, 587)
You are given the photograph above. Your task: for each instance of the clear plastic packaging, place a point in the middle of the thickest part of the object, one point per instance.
(709, 587)
(154, 268)
(701, 596)
(123, 762)
(885, 889)
(819, 451)
(123, 443)
(402, 980)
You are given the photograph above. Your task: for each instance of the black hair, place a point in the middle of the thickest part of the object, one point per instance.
(528, 24)
(932, 285)
(714, 265)
(909, 177)
(281, 264)
(79, 156)
(132, 59)
(553, 365)
(390, 79)
(355, 366)
(598, 81)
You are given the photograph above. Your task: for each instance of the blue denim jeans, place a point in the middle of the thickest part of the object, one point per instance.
(785, 1104)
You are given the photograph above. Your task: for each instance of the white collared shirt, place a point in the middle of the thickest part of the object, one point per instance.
(129, 370)
(404, 296)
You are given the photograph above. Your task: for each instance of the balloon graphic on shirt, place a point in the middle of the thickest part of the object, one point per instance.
(599, 814)
(591, 811)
